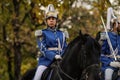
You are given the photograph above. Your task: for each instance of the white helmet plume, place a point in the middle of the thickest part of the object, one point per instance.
(110, 17)
(50, 11)
(50, 7)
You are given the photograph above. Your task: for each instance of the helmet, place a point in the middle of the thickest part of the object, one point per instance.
(51, 12)
(111, 18)
(119, 20)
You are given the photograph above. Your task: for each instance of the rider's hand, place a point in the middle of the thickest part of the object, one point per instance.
(58, 57)
(115, 64)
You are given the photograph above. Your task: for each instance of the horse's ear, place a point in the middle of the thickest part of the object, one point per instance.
(80, 33)
(82, 36)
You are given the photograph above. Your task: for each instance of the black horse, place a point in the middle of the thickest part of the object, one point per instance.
(80, 61)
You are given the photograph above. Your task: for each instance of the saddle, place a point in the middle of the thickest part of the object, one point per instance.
(48, 72)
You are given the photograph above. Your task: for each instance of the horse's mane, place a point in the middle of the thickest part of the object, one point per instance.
(81, 39)
(84, 50)
(92, 44)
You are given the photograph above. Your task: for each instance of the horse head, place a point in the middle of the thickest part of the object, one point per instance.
(81, 52)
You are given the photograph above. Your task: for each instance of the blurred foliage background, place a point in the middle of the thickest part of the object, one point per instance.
(20, 18)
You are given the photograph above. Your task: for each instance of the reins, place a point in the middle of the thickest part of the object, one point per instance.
(60, 70)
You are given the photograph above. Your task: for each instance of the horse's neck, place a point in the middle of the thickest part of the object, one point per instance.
(69, 64)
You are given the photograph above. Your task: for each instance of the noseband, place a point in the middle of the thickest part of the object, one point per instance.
(85, 72)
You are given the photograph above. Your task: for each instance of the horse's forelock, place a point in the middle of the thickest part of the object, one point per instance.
(81, 35)
(72, 46)
(91, 42)
(90, 48)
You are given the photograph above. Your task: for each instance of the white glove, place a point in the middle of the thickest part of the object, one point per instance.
(58, 57)
(115, 64)
(38, 33)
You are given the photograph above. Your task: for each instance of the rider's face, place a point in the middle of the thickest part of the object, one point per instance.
(51, 21)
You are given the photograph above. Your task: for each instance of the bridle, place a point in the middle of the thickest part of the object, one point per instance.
(84, 75)
(59, 70)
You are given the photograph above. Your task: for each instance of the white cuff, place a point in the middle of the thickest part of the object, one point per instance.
(115, 64)
(58, 57)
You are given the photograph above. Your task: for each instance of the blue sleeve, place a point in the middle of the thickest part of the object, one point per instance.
(41, 45)
(105, 60)
(105, 51)
(105, 47)
(43, 49)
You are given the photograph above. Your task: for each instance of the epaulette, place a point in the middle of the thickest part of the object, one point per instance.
(38, 33)
(66, 34)
(103, 36)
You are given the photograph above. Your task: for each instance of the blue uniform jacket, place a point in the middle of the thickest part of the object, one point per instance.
(50, 40)
(115, 41)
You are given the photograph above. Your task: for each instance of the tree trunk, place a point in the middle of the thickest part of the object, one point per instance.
(7, 52)
(9, 65)
(16, 49)
(17, 60)
(16, 43)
